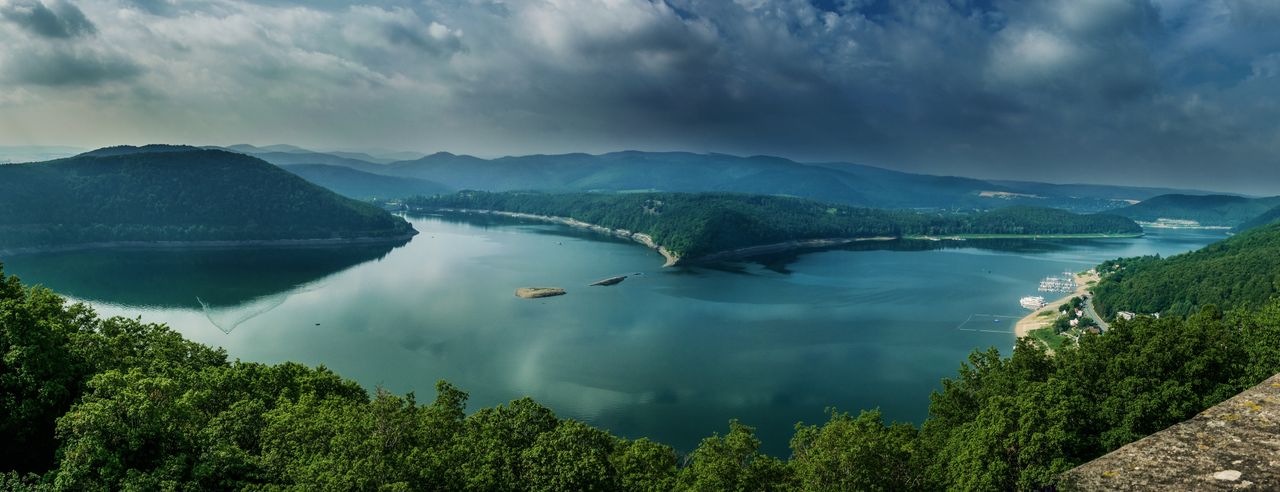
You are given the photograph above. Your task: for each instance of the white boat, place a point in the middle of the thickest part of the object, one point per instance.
(1032, 302)
(1065, 283)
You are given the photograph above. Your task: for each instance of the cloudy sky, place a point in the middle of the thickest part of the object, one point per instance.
(1170, 92)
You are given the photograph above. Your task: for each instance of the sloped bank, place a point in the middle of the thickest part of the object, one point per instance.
(672, 257)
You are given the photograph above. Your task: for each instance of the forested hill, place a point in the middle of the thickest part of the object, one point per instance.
(1208, 210)
(165, 193)
(1242, 271)
(1269, 217)
(698, 224)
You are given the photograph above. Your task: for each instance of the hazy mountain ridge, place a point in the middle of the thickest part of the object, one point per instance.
(361, 185)
(846, 183)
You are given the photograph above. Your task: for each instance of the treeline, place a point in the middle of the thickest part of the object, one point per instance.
(174, 194)
(115, 404)
(697, 224)
(1240, 272)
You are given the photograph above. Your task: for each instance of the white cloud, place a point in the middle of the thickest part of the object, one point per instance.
(1033, 56)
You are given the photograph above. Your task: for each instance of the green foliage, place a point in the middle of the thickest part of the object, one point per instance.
(1239, 272)
(698, 224)
(860, 453)
(645, 466)
(39, 376)
(573, 456)
(174, 194)
(733, 462)
(1016, 423)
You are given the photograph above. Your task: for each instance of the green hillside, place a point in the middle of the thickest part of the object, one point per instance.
(1242, 271)
(362, 185)
(1208, 210)
(169, 193)
(1269, 217)
(698, 224)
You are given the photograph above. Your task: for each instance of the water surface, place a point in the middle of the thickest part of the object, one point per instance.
(670, 354)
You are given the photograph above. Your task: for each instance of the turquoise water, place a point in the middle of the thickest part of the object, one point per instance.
(670, 354)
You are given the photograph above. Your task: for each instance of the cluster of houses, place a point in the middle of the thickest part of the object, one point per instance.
(1074, 312)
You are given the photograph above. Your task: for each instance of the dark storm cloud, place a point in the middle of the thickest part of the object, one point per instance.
(1161, 91)
(57, 19)
(70, 68)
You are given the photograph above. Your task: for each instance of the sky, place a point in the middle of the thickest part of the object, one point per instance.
(1158, 92)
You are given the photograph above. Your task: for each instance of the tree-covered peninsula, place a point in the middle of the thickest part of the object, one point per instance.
(173, 193)
(698, 225)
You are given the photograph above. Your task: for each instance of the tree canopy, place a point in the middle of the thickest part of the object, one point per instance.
(1242, 271)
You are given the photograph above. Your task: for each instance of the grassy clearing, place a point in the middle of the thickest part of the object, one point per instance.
(1047, 337)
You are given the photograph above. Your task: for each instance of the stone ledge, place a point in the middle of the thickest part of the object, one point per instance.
(1233, 445)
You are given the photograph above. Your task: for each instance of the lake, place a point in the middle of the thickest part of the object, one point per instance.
(671, 354)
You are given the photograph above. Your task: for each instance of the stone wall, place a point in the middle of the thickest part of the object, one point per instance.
(1234, 445)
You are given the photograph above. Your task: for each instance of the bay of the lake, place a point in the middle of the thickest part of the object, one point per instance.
(669, 353)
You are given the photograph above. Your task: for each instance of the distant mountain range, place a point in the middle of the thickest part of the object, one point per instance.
(35, 153)
(362, 185)
(845, 183)
(176, 193)
(1207, 210)
(379, 156)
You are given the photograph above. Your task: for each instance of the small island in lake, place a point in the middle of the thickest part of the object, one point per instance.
(538, 292)
(608, 281)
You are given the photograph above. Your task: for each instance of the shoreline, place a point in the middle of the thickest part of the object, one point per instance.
(209, 244)
(793, 245)
(674, 259)
(1034, 321)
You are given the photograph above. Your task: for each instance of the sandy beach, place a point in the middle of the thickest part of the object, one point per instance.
(1035, 320)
